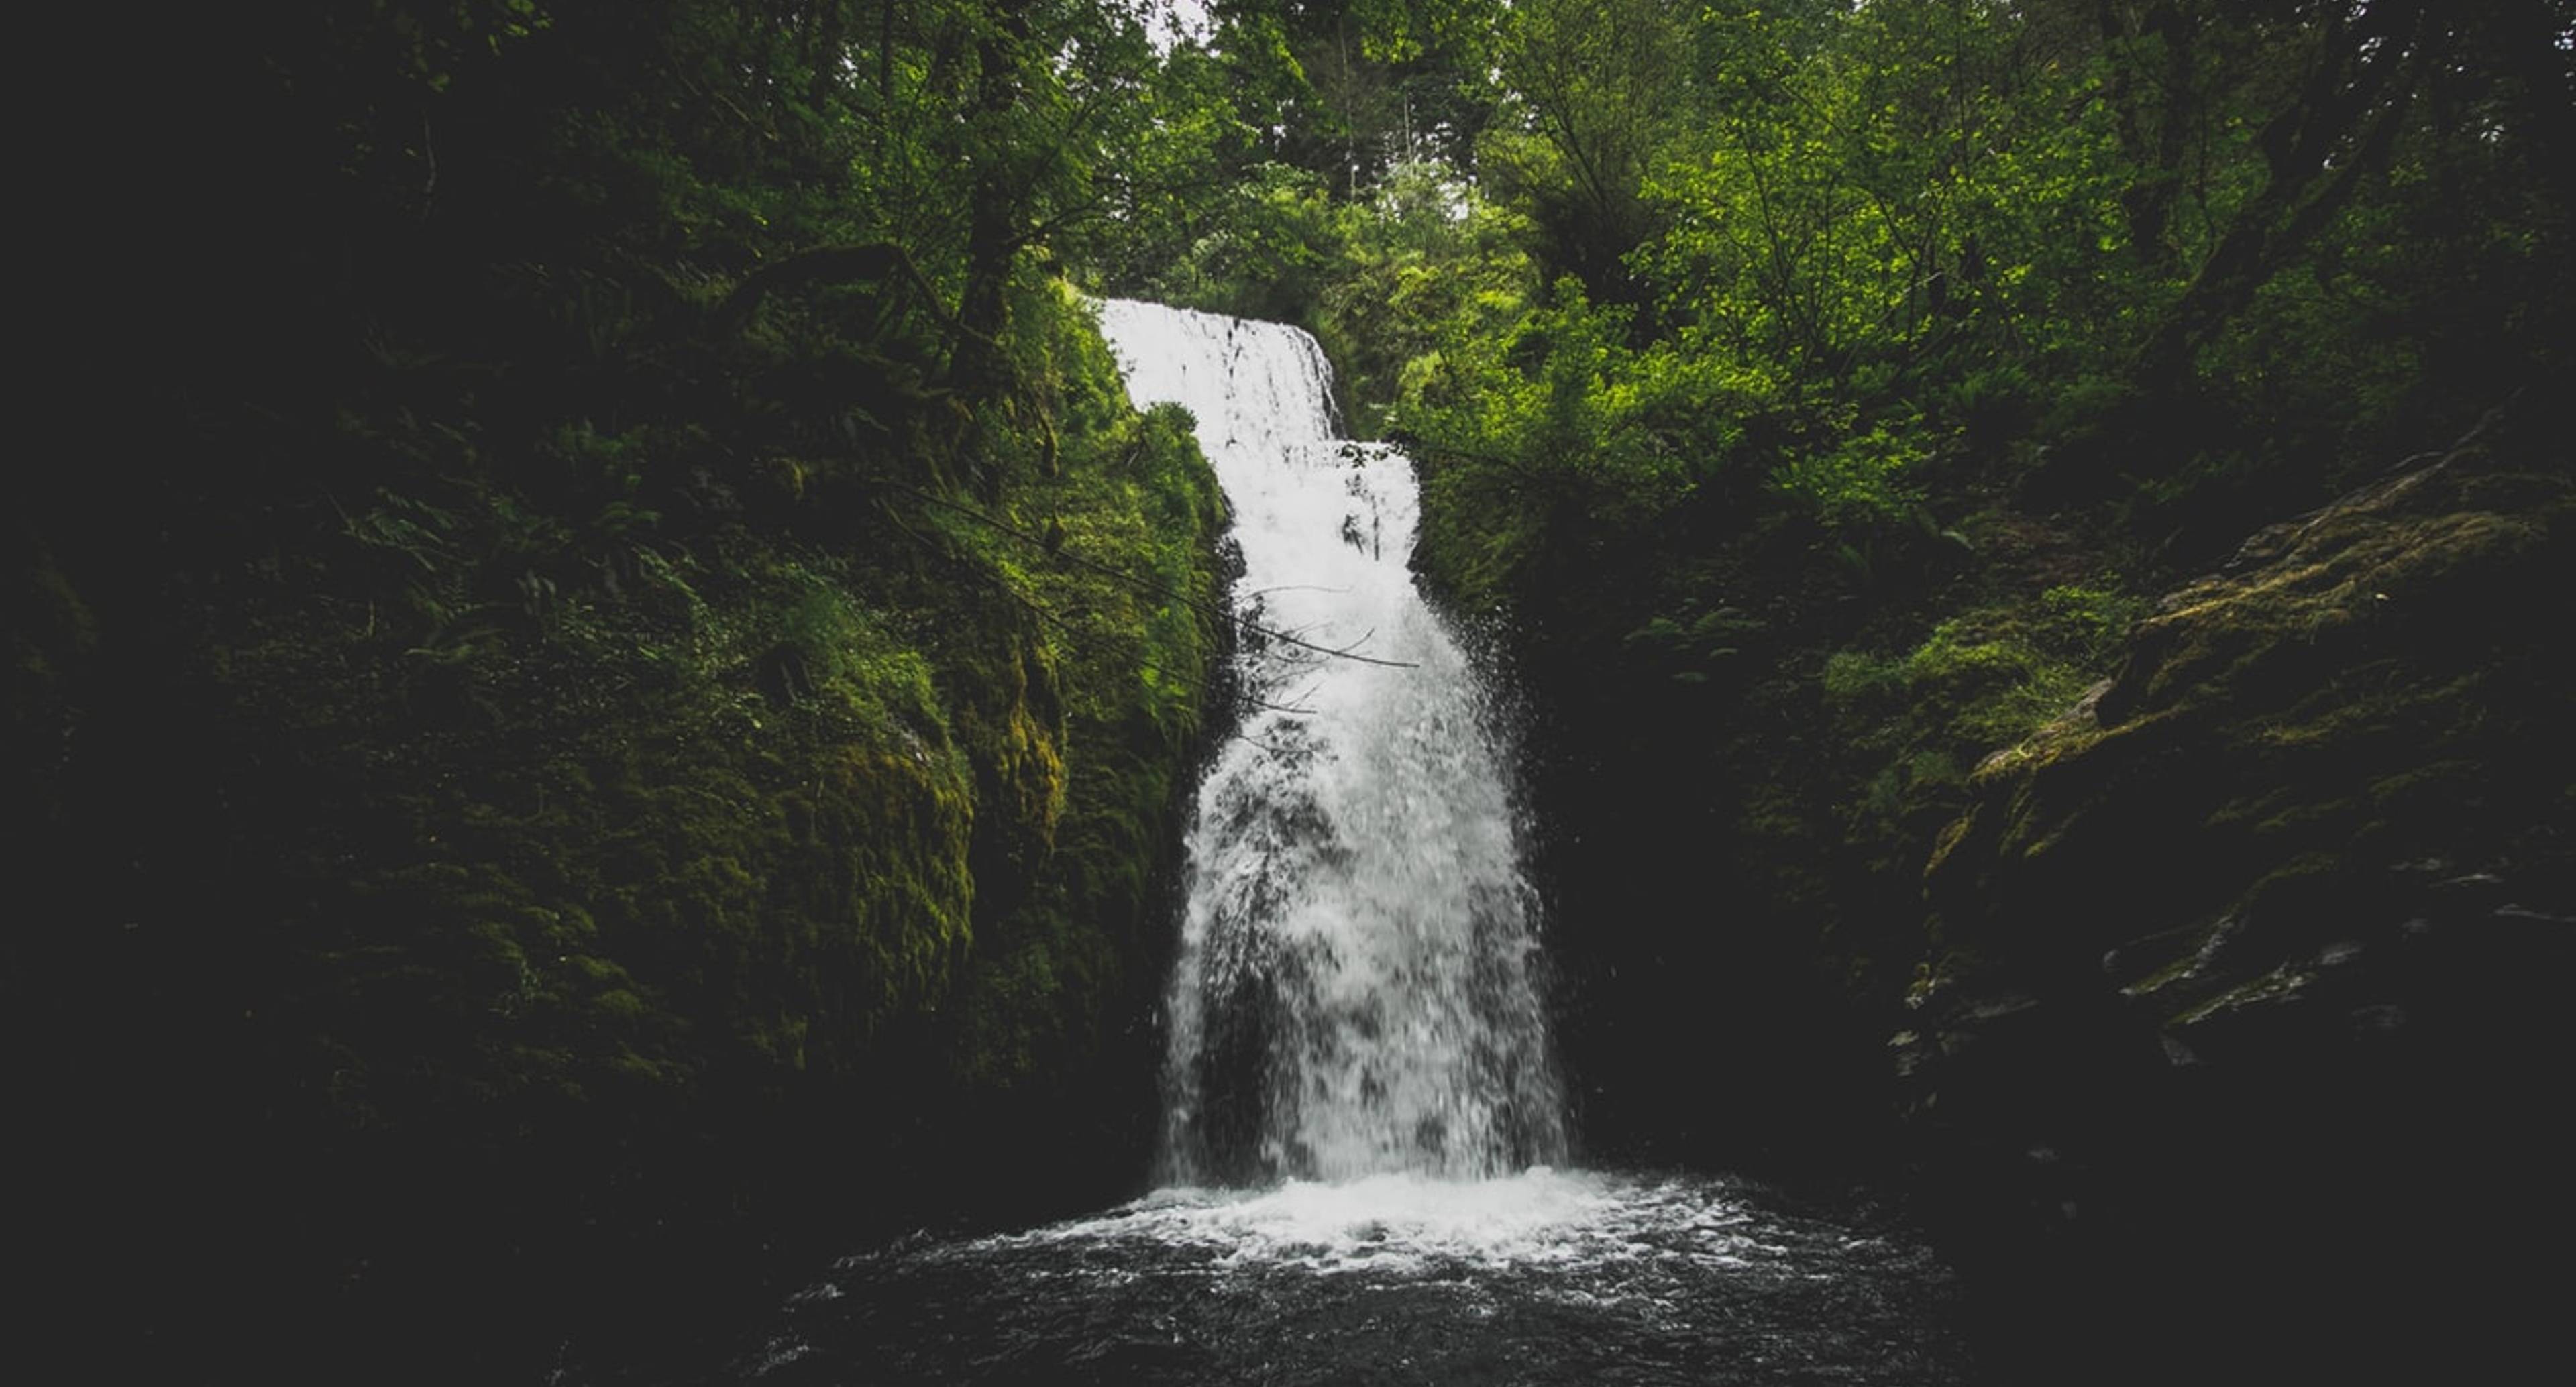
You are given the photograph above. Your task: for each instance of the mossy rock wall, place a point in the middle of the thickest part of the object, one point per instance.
(522, 906)
(2243, 980)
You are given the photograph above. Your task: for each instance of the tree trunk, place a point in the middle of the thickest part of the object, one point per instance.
(993, 238)
(2342, 127)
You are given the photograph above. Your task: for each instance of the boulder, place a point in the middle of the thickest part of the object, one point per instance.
(2264, 942)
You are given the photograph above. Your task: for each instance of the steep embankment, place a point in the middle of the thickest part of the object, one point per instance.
(515, 864)
(2217, 1039)
(2241, 988)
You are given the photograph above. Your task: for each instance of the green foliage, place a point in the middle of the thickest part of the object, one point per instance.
(1267, 247)
(1601, 91)
(608, 586)
(619, 727)
(1984, 679)
(1892, 253)
(2085, 622)
(1862, 477)
(1833, 353)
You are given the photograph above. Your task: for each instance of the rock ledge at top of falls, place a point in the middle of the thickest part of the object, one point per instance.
(2278, 919)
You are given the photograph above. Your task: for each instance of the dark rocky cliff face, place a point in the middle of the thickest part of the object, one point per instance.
(2232, 1050)
(476, 922)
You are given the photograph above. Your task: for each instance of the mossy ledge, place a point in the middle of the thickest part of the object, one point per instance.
(2241, 982)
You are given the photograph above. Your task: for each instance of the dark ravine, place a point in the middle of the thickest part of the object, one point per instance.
(601, 681)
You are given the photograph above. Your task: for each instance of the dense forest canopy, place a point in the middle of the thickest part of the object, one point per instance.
(1887, 237)
(1862, 242)
(616, 653)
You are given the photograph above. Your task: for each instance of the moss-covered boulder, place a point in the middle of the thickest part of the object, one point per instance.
(2243, 979)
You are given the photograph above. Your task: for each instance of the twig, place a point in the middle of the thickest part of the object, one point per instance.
(429, 152)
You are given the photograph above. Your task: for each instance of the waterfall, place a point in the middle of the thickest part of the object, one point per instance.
(1364, 1133)
(1355, 992)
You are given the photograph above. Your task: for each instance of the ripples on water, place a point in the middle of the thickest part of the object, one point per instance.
(1547, 1277)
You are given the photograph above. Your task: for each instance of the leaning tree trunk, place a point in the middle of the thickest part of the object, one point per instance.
(2341, 127)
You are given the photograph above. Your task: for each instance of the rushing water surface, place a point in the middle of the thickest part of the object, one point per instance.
(1540, 1278)
(1364, 1116)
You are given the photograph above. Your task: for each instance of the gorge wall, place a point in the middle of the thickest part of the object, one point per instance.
(2241, 982)
(2209, 1024)
(538, 874)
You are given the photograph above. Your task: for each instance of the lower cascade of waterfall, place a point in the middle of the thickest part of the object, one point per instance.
(1364, 1119)
(1356, 992)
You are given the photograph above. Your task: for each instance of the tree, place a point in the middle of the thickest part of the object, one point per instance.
(1600, 92)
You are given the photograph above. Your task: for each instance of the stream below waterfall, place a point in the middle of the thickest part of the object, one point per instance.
(1541, 1278)
(1364, 1159)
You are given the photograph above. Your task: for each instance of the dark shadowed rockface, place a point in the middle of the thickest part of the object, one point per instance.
(2233, 1048)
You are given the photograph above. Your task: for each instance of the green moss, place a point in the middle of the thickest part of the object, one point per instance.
(2273, 986)
(1987, 689)
(617, 809)
(1132, 657)
(2243, 798)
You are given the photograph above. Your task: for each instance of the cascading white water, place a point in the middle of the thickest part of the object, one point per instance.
(1355, 992)
(1356, 1029)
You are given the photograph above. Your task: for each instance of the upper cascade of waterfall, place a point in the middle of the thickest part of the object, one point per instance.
(1357, 989)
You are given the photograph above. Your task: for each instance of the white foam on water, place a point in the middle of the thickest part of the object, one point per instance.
(1407, 1221)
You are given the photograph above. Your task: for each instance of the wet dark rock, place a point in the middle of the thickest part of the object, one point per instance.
(2266, 938)
(2339, 953)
